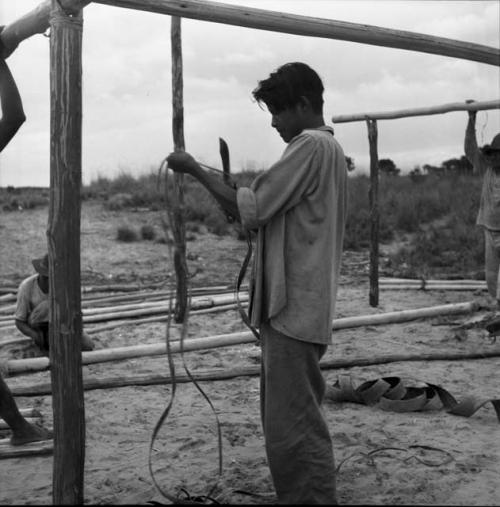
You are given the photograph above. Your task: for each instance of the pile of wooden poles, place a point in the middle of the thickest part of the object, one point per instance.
(133, 308)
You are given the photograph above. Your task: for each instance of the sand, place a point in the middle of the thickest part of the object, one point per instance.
(384, 458)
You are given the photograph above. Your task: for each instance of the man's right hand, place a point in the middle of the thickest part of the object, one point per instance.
(472, 114)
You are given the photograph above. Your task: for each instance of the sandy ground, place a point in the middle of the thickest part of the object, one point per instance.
(426, 458)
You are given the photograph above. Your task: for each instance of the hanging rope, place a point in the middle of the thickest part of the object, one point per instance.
(188, 498)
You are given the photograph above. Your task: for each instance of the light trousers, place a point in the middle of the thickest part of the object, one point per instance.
(492, 262)
(298, 443)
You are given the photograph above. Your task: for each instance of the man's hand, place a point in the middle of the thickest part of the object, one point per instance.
(182, 162)
(472, 114)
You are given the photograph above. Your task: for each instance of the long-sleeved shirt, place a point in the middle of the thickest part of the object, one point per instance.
(298, 207)
(489, 207)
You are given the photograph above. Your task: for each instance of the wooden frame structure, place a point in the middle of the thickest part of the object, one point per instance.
(65, 20)
(371, 121)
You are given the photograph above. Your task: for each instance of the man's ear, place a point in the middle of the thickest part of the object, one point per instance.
(304, 103)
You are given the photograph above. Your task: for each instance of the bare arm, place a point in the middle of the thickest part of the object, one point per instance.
(27, 330)
(471, 148)
(12, 107)
(226, 196)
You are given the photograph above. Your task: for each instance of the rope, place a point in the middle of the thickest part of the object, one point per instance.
(246, 261)
(390, 393)
(189, 499)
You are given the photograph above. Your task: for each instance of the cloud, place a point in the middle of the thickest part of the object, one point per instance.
(127, 85)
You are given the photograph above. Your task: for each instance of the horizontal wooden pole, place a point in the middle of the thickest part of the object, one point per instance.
(6, 298)
(7, 450)
(404, 315)
(18, 366)
(421, 111)
(146, 379)
(8, 309)
(313, 27)
(430, 281)
(5, 426)
(36, 21)
(433, 287)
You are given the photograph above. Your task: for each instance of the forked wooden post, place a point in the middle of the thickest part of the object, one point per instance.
(178, 135)
(374, 212)
(63, 235)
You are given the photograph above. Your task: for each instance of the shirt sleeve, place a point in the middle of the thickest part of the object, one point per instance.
(282, 186)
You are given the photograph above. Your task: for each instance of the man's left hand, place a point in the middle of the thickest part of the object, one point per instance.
(181, 162)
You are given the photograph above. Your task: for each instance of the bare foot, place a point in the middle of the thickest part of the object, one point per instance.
(31, 433)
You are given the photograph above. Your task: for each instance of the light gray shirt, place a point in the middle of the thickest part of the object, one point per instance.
(298, 207)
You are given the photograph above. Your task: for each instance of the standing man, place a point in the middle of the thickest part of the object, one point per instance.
(486, 161)
(12, 118)
(298, 208)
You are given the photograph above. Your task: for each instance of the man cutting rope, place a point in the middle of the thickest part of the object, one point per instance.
(298, 209)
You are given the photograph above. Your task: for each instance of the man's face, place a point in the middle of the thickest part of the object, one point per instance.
(288, 122)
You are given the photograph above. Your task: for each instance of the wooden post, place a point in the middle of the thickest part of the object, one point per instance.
(63, 236)
(374, 213)
(178, 227)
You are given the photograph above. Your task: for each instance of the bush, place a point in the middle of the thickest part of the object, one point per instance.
(119, 201)
(126, 234)
(148, 232)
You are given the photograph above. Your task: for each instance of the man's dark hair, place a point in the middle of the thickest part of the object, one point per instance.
(287, 84)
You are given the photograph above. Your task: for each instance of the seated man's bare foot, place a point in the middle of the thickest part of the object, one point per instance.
(31, 433)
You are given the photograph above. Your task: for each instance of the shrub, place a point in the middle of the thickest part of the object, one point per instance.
(148, 232)
(126, 234)
(119, 201)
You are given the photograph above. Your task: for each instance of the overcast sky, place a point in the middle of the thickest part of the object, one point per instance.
(127, 86)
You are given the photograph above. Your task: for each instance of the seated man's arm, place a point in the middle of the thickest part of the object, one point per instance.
(27, 330)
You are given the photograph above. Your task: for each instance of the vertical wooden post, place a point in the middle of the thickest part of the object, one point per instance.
(374, 211)
(63, 235)
(179, 230)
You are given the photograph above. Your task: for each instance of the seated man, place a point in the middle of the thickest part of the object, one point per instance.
(32, 311)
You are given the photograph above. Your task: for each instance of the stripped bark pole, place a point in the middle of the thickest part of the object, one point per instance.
(374, 212)
(178, 227)
(308, 26)
(63, 235)
(283, 22)
(20, 366)
(146, 379)
(420, 111)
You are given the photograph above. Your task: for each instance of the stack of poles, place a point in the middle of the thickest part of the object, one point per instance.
(65, 204)
(371, 121)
